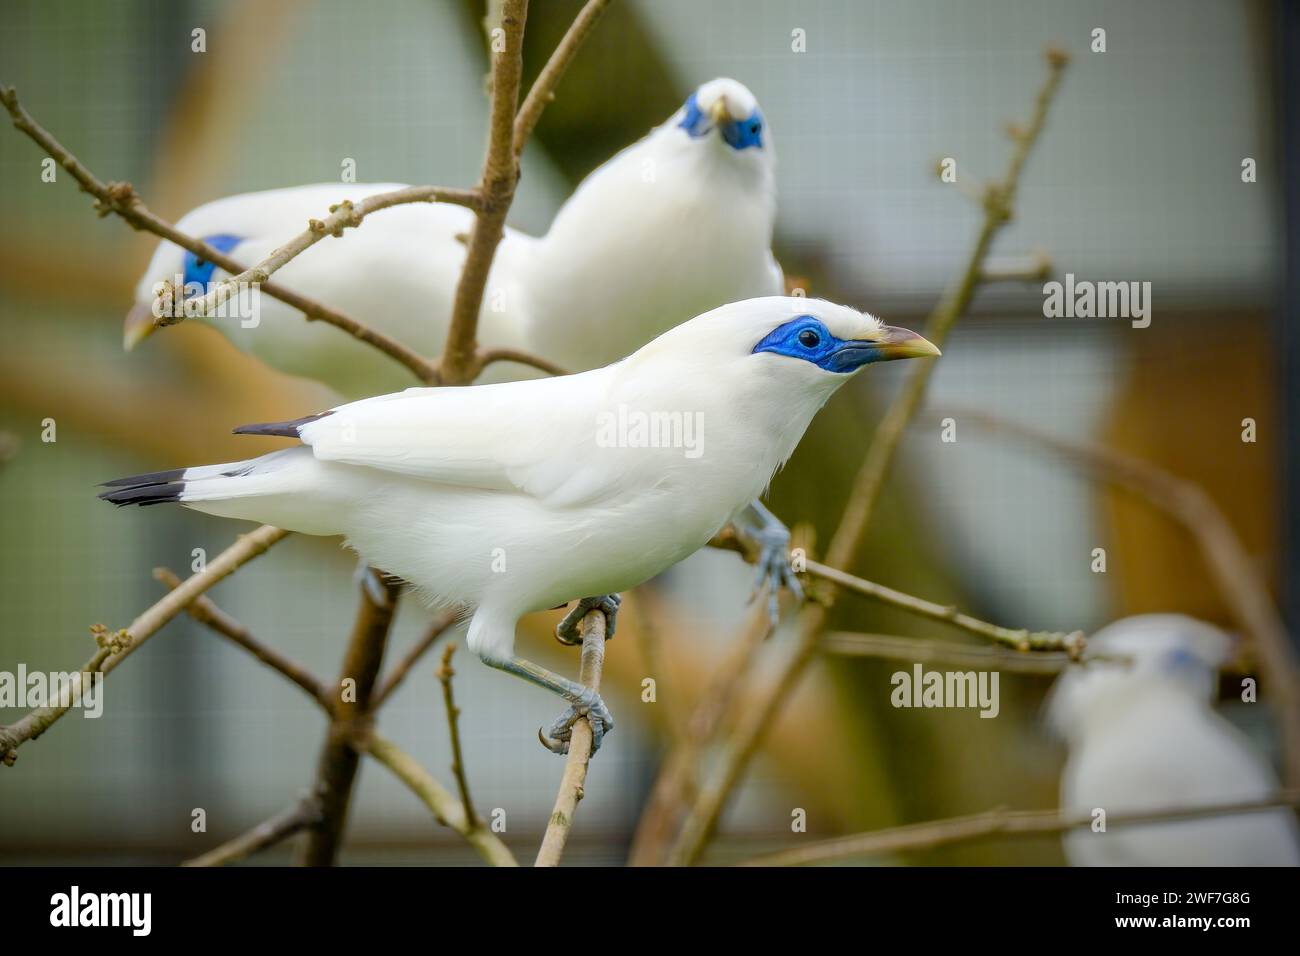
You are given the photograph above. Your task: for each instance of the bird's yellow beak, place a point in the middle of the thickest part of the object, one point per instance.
(719, 113)
(896, 343)
(139, 325)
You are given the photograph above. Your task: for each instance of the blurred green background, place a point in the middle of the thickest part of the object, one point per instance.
(1137, 177)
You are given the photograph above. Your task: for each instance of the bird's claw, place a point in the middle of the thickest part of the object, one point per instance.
(590, 706)
(774, 568)
(569, 630)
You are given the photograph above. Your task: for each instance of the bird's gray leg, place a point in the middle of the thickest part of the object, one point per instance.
(774, 569)
(583, 702)
(569, 630)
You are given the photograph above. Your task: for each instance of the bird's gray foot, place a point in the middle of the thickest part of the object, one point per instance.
(569, 630)
(589, 705)
(774, 568)
(584, 701)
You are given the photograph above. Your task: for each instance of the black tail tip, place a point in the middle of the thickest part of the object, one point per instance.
(155, 488)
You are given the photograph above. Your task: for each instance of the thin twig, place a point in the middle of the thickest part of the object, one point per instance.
(487, 356)
(292, 819)
(496, 190)
(1239, 581)
(542, 91)
(343, 215)
(446, 809)
(1036, 267)
(579, 756)
(337, 767)
(445, 674)
(121, 199)
(248, 547)
(435, 630)
(892, 647)
(999, 822)
(1021, 640)
(676, 782)
(206, 612)
(999, 197)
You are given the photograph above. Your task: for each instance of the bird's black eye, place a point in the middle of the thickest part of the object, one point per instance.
(809, 339)
(755, 127)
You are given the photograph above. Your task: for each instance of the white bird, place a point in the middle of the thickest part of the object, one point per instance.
(678, 223)
(517, 497)
(1144, 736)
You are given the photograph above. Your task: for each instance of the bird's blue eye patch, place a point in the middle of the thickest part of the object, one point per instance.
(742, 134)
(694, 122)
(1181, 660)
(808, 339)
(738, 134)
(199, 270)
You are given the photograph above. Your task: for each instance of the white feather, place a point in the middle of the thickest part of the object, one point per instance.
(669, 228)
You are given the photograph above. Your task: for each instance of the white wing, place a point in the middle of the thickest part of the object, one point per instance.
(532, 437)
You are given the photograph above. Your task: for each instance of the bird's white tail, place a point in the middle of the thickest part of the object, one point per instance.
(282, 488)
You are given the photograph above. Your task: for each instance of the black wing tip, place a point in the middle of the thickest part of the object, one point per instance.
(287, 429)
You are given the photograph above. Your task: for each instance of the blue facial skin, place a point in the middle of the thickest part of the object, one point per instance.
(738, 134)
(806, 338)
(1182, 661)
(197, 270)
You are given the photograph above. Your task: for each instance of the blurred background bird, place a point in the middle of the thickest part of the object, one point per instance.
(464, 492)
(676, 224)
(1143, 736)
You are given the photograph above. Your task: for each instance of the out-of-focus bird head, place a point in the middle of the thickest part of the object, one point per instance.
(188, 273)
(723, 116)
(1165, 653)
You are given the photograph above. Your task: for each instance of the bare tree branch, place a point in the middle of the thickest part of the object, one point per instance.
(487, 356)
(998, 822)
(337, 768)
(676, 782)
(120, 646)
(205, 611)
(292, 819)
(543, 88)
(496, 190)
(344, 215)
(398, 674)
(999, 197)
(891, 647)
(575, 763)
(446, 809)
(1036, 267)
(1021, 640)
(122, 199)
(445, 674)
(999, 201)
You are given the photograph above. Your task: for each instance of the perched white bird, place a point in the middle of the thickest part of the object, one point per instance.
(516, 497)
(676, 224)
(1144, 736)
